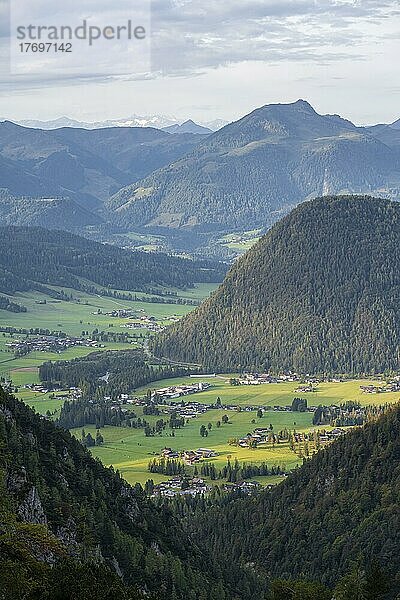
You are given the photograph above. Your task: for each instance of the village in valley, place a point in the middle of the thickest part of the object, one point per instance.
(139, 319)
(203, 421)
(49, 343)
(186, 435)
(181, 486)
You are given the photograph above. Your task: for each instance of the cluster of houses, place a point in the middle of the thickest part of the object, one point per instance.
(180, 486)
(148, 323)
(324, 436)
(50, 343)
(259, 436)
(305, 389)
(174, 392)
(122, 313)
(190, 457)
(246, 487)
(188, 411)
(71, 393)
(290, 409)
(329, 436)
(262, 435)
(74, 393)
(261, 378)
(391, 386)
(38, 388)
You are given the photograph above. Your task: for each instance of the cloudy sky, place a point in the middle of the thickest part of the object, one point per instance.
(212, 58)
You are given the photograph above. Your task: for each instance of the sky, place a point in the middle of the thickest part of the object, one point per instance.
(207, 59)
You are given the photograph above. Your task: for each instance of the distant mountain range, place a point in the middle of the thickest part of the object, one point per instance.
(188, 127)
(156, 121)
(252, 171)
(185, 179)
(318, 294)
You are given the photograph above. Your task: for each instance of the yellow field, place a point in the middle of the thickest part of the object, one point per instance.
(129, 451)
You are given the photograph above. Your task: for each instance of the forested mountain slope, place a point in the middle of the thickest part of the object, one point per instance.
(33, 254)
(319, 293)
(252, 171)
(84, 166)
(340, 508)
(242, 177)
(52, 213)
(69, 528)
(60, 508)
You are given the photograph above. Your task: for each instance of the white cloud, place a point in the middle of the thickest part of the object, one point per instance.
(193, 35)
(281, 49)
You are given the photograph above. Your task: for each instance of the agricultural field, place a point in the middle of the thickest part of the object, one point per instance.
(85, 312)
(129, 451)
(77, 315)
(280, 394)
(240, 242)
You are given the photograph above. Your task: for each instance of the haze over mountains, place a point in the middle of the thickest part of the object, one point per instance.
(156, 121)
(318, 294)
(252, 171)
(84, 166)
(173, 181)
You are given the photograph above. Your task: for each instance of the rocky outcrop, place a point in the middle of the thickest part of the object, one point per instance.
(131, 508)
(67, 536)
(31, 510)
(29, 504)
(16, 481)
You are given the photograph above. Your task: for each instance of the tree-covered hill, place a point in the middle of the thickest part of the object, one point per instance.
(52, 213)
(251, 172)
(31, 255)
(319, 293)
(70, 528)
(338, 513)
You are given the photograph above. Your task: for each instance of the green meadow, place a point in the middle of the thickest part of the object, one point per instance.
(42, 402)
(129, 451)
(77, 315)
(74, 317)
(281, 394)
